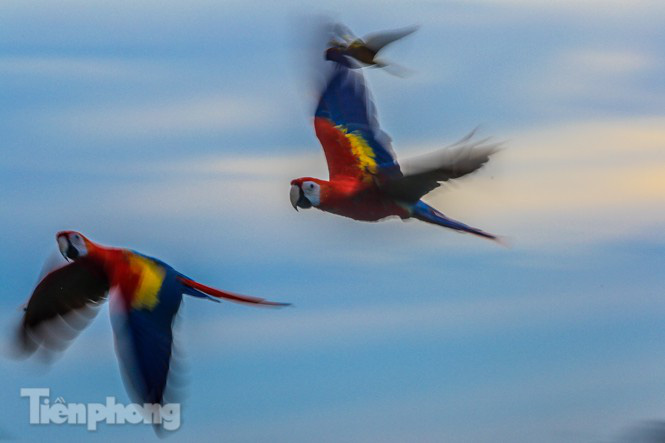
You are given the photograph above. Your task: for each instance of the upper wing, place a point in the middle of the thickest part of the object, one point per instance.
(346, 125)
(61, 305)
(143, 327)
(422, 174)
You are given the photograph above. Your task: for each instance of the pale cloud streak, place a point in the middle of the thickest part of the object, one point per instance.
(578, 75)
(176, 116)
(596, 8)
(96, 68)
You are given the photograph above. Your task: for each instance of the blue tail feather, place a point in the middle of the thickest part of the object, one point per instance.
(186, 290)
(423, 211)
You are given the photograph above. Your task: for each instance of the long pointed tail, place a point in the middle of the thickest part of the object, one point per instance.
(426, 213)
(228, 295)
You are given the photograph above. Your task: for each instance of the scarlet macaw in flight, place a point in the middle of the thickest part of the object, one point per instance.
(146, 297)
(366, 182)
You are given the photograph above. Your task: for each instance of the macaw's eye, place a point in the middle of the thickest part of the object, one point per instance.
(311, 186)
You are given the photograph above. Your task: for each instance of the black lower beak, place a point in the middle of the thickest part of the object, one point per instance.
(72, 253)
(298, 199)
(303, 202)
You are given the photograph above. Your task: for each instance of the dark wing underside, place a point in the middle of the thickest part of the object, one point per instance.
(422, 174)
(61, 305)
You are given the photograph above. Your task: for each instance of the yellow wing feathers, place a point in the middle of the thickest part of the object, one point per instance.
(151, 276)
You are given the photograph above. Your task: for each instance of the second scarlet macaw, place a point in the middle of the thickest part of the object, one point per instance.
(146, 293)
(345, 47)
(366, 181)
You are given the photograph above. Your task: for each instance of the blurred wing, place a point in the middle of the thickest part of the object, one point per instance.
(422, 174)
(143, 328)
(61, 305)
(144, 345)
(380, 39)
(346, 125)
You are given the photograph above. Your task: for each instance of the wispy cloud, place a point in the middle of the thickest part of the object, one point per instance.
(607, 61)
(97, 68)
(598, 8)
(176, 116)
(578, 75)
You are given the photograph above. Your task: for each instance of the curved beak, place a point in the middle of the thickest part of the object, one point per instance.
(294, 196)
(298, 199)
(66, 248)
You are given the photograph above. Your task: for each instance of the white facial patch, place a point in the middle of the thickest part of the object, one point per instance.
(313, 192)
(77, 242)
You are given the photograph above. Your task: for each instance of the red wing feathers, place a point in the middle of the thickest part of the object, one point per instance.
(228, 295)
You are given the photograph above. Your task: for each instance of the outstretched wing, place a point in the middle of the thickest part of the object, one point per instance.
(346, 125)
(144, 345)
(422, 174)
(61, 305)
(378, 40)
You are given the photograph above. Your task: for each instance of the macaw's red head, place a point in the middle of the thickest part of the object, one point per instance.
(306, 192)
(73, 244)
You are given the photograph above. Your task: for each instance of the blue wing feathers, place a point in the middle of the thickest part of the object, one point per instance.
(144, 341)
(346, 101)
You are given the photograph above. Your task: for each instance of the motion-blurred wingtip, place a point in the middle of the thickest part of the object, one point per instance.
(277, 304)
(505, 242)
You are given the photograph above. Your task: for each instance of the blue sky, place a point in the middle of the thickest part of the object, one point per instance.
(175, 128)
